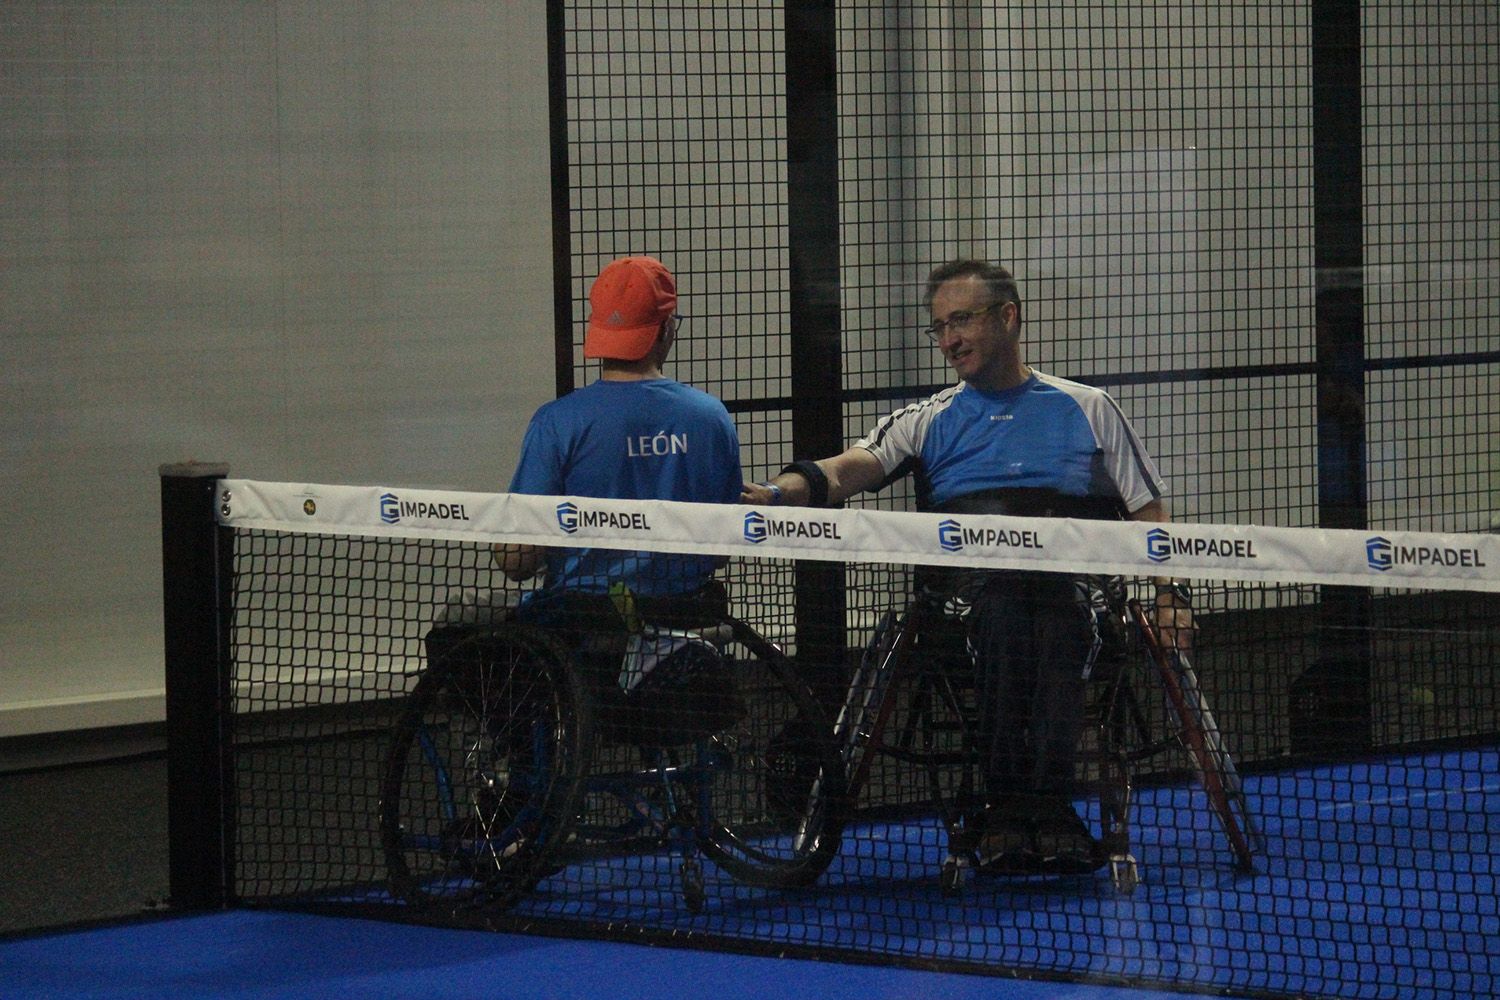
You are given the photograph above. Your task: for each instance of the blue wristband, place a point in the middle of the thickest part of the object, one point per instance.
(775, 493)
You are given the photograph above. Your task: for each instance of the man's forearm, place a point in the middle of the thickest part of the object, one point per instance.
(841, 476)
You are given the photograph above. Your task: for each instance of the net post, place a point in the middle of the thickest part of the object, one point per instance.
(813, 306)
(196, 560)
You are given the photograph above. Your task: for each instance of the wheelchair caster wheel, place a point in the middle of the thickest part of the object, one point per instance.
(1124, 874)
(693, 895)
(953, 877)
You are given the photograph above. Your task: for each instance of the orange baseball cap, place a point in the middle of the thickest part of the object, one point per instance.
(630, 300)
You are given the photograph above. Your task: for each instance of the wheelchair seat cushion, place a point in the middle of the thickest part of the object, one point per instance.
(689, 695)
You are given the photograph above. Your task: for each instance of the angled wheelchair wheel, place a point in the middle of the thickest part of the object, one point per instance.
(774, 813)
(483, 774)
(859, 729)
(1199, 735)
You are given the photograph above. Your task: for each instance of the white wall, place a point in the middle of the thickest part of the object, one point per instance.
(311, 240)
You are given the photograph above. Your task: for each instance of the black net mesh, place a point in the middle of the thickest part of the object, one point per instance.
(416, 737)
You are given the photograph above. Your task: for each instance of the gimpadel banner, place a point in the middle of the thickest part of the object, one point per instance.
(1136, 548)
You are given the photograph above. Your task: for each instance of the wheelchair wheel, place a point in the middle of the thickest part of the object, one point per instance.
(1200, 737)
(775, 811)
(862, 720)
(1215, 766)
(944, 739)
(483, 774)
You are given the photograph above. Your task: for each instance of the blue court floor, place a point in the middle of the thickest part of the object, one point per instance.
(1377, 881)
(262, 955)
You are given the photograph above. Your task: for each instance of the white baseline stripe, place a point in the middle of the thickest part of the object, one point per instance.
(1196, 551)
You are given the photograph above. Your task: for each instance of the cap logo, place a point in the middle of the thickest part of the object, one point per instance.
(615, 319)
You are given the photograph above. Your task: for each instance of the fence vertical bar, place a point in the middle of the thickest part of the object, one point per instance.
(1331, 708)
(196, 565)
(813, 293)
(562, 214)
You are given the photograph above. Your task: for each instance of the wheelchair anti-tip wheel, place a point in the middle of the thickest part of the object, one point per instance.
(483, 773)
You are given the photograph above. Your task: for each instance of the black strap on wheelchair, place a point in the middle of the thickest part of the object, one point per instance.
(817, 481)
(1031, 501)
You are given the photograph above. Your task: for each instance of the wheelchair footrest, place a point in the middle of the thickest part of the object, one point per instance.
(1025, 863)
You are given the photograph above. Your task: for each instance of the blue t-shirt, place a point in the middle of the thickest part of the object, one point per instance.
(1047, 433)
(631, 440)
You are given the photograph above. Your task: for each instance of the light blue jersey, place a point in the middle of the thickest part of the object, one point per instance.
(1046, 434)
(631, 440)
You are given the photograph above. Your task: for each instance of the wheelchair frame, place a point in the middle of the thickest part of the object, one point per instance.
(495, 758)
(938, 733)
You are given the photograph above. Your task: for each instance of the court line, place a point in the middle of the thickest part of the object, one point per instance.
(1403, 799)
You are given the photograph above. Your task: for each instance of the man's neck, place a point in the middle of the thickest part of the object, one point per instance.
(629, 371)
(1013, 377)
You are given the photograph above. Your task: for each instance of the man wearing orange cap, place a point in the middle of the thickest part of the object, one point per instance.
(633, 435)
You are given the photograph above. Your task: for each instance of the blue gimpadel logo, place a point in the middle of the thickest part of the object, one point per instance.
(567, 517)
(755, 527)
(1158, 545)
(390, 508)
(1378, 553)
(950, 536)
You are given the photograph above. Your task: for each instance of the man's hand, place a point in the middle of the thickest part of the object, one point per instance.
(1174, 622)
(757, 494)
(519, 562)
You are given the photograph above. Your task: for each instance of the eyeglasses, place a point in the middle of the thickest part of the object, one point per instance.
(958, 321)
(677, 320)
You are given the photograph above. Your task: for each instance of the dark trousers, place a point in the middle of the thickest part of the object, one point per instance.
(1034, 638)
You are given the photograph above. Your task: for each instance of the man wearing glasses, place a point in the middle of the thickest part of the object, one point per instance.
(634, 434)
(1008, 439)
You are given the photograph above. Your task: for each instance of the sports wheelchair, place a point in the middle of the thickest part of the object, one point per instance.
(523, 749)
(913, 699)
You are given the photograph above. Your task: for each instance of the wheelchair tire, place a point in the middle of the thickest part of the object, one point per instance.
(1215, 767)
(775, 815)
(861, 723)
(1199, 735)
(483, 775)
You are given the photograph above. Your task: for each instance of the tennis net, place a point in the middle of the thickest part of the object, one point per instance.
(801, 765)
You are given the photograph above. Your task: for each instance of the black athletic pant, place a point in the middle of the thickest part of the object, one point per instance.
(1034, 638)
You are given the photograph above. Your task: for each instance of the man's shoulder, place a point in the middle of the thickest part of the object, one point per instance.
(689, 401)
(1086, 395)
(692, 392)
(935, 403)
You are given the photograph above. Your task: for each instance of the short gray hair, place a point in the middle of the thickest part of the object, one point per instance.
(999, 280)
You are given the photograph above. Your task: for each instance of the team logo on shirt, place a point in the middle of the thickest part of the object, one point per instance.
(954, 537)
(1382, 554)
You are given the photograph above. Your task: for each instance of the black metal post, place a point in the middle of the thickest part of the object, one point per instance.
(1331, 700)
(562, 229)
(813, 294)
(196, 563)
